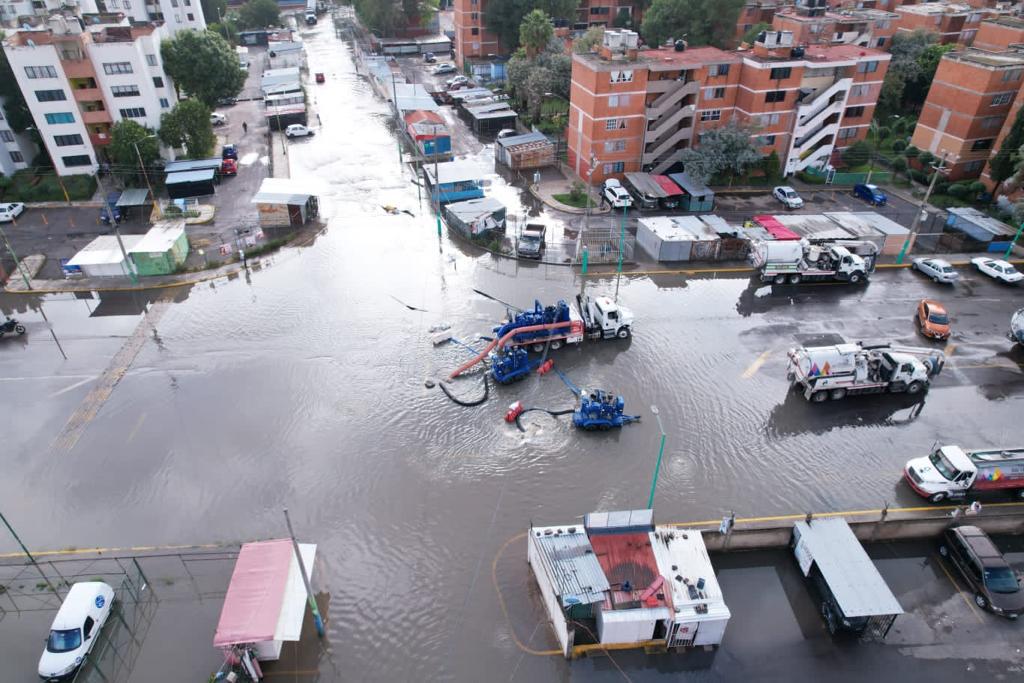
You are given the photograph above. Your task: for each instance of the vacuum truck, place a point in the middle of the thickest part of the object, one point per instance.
(952, 472)
(834, 372)
(794, 261)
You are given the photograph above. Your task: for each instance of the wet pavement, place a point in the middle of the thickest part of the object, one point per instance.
(301, 384)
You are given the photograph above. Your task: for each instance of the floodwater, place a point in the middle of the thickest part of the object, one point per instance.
(301, 384)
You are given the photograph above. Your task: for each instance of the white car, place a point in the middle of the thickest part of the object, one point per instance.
(615, 194)
(442, 69)
(788, 196)
(8, 212)
(937, 269)
(997, 268)
(75, 629)
(218, 119)
(506, 133)
(297, 130)
(457, 81)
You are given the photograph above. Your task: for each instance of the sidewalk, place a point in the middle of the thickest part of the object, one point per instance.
(553, 182)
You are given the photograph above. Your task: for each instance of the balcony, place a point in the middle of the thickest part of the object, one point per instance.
(101, 116)
(87, 94)
(78, 68)
(813, 103)
(99, 139)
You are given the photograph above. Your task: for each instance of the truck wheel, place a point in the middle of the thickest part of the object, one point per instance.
(538, 348)
(837, 394)
(795, 278)
(915, 388)
(623, 333)
(856, 277)
(779, 279)
(556, 344)
(937, 498)
(19, 328)
(819, 396)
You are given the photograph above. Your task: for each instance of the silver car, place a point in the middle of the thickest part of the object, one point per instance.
(937, 269)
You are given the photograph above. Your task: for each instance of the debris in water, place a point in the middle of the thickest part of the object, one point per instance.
(762, 292)
(411, 308)
(429, 384)
(439, 327)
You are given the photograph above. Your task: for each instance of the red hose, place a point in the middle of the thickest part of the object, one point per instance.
(501, 343)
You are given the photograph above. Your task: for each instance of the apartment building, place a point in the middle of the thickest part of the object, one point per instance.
(604, 13)
(952, 22)
(968, 105)
(16, 13)
(174, 14)
(998, 34)
(79, 81)
(16, 149)
(860, 26)
(635, 109)
(756, 12)
(472, 39)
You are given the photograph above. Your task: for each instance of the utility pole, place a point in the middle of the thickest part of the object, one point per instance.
(657, 466)
(924, 202)
(438, 183)
(305, 578)
(156, 203)
(622, 245)
(18, 264)
(30, 558)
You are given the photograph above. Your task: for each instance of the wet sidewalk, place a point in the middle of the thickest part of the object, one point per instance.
(553, 181)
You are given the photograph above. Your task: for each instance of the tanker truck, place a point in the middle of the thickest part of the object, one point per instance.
(952, 472)
(792, 261)
(834, 372)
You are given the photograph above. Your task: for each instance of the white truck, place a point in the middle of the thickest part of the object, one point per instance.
(792, 261)
(834, 372)
(952, 472)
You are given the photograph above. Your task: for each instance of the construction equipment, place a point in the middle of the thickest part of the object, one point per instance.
(510, 364)
(792, 261)
(833, 372)
(603, 410)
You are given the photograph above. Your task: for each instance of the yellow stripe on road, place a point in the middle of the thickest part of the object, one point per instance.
(756, 365)
(956, 587)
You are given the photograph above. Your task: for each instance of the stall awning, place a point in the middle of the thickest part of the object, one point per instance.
(775, 228)
(666, 184)
(189, 177)
(266, 599)
(133, 197)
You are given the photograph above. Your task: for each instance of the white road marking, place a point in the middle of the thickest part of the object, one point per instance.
(71, 387)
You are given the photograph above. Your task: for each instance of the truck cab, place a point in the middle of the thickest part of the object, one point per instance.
(531, 242)
(606, 318)
(904, 369)
(846, 263)
(945, 473)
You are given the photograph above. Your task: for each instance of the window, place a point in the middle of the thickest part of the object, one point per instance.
(854, 112)
(972, 166)
(77, 160)
(475, 16)
(17, 158)
(611, 124)
(767, 140)
(174, 3)
(847, 133)
(711, 115)
(6, 136)
(718, 70)
(880, 42)
(474, 31)
(616, 167)
(867, 67)
(151, 60)
(1001, 98)
(158, 82)
(87, 627)
(60, 117)
(780, 72)
(859, 90)
(50, 95)
(164, 103)
(770, 119)
(125, 90)
(40, 72)
(1012, 75)
(618, 101)
(982, 144)
(714, 93)
(775, 96)
(67, 140)
(992, 122)
(615, 146)
(621, 76)
(111, 68)
(133, 113)
(191, 17)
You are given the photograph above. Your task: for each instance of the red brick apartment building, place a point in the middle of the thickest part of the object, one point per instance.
(953, 22)
(866, 27)
(471, 38)
(756, 12)
(638, 109)
(603, 13)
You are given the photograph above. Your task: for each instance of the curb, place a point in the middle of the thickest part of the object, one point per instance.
(64, 205)
(565, 208)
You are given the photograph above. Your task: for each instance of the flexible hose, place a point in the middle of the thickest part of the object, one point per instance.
(552, 413)
(468, 404)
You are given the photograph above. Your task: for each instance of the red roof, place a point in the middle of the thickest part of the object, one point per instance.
(775, 228)
(629, 565)
(665, 183)
(422, 116)
(252, 606)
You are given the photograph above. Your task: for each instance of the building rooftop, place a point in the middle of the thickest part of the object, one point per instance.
(663, 58)
(933, 8)
(686, 566)
(1009, 59)
(630, 567)
(569, 560)
(1006, 20)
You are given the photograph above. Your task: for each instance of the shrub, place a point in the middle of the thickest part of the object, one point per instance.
(578, 191)
(925, 158)
(899, 165)
(898, 145)
(919, 176)
(941, 186)
(882, 133)
(857, 154)
(911, 152)
(977, 187)
(958, 190)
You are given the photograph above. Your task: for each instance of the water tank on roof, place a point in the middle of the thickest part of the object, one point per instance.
(680, 45)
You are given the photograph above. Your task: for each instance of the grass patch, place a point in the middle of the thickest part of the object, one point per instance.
(944, 201)
(25, 186)
(570, 200)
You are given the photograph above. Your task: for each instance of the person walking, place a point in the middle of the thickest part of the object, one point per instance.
(319, 122)
(245, 127)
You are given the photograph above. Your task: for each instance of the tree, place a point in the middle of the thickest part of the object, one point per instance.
(911, 152)
(899, 165)
(857, 154)
(772, 166)
(589, 40)
(622, 18)
(15, 109)
(214, 11)
(558, 9)
(755, 30)
(531, 79)
(729, 148)
(906, 68)
(380, 16)
(926, 158)
(188, 125)
(504, 17)
(226, 29)
(700, 22)
(203, 64)
(259, 14)
(535, 32)
(1003, 162)
(125, 135)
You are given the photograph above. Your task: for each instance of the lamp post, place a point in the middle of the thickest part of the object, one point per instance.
(661, 452)
(939, 168)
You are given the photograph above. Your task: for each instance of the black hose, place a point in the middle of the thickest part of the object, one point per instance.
(552, 413)
(468, 404)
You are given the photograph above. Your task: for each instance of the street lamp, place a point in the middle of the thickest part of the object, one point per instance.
(661, 452)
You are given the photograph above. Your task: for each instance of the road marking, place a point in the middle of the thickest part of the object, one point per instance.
(756, 365)
(1004, 366)
(950, 348)
(44, 377)
(125, 549)
(138, 424)
(71, 387)
(956, 587)
(45, 222)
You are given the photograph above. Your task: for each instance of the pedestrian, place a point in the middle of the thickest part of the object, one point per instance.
(245, 127)
(319, 122)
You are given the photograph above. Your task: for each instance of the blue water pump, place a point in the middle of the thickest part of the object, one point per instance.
(540, 315)
(600, 409)
(510, 365)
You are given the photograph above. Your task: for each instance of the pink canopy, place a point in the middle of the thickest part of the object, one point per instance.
(252, 606)
(775, 228)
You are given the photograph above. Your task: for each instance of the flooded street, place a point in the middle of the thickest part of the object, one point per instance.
(301, 384)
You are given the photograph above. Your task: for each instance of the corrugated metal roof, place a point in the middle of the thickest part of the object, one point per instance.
(814, 226)
(189, 177)
(133, 197)
(983, 221)
(668, 187)
(484, 108)
(474, 208)
(690, 184)
(851, 575)
(525, 139)
(192, 165)
(570, 562)
(159, 238)
(453, 172)
(283, 191)
(645, 183)
(853, 220)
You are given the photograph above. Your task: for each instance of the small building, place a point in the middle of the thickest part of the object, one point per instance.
(162, 250)
(133, 199)
(886, 233)
(519, 152)
(285, 203)
(439, 44)
(105, 256)
(488, 119)
(430, 134)
(677, 238)
(190, 183)
(410, 97)
(653, 191)
(285, 54)
(696, 195)
(990, 233)
(454, 181)
(619, 580)
(192, 165)
(476, 217)
(278, 77)
(733, 244)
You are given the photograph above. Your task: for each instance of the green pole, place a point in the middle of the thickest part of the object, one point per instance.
(18, 264)
(29, 556)
(657, 469)
(1013, 243)
(622, 236)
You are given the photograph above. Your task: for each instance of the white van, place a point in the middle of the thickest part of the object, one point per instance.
(75, 629)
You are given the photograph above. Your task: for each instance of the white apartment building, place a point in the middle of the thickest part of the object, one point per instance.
(79, 82)
(16, 149)
(175, 14)
(15, 12)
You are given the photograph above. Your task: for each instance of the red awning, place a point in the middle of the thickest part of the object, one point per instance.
(775, 228)
(666, 184)
(252, 606)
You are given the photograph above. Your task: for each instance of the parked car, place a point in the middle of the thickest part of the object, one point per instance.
(506, 133)
(939, 270)
(320, 77)
(229, 152)
(229, 167)
(218, 119)
(10, 211)
(225, 101)
(110, 206)
(75, 629)
(531, 242)
(297, 130)
(457, 82)
(870, 193)
(788, 196)
(933, 319)
(615, 194)
(446, 68)
(429, 57)
(995, 584)
(998, 269)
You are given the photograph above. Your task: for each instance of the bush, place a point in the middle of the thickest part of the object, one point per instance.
(811, 179)
(925, 158)
(899, 165)
(898, 145)
(958, 190)
(911, 152)
(578, 191)
(857, 154)
(977, 187)
(918, 176)
(941, 186)
(25, 186)
(882, 133)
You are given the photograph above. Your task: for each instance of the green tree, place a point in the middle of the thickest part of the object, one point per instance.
(1002, 164)
(729, 148)
(15, 109)
(905, 73)
(899, 165)
(226, 30)
(755, 30)
(125, 135)
(911, 152)
(857, 154)
(380, 16)
(504, 17)
(926, 158)
(532, 79)
(700, 22)
(259, 14)
(589, 40)
(214, 10)
(188, 125)
(535, 32)
(772, 166)
(203, 64)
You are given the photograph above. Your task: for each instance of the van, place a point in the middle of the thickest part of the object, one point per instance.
(75, 629)
(310, 18)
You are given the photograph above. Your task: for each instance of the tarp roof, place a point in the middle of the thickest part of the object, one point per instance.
(133, 197)
(423, 116)
(283, 191)
(776, 229)
(453, 172)
(189, 177)
(666, 184)
(193, 165)
(104, 250)
(159, 239)
(266, 599)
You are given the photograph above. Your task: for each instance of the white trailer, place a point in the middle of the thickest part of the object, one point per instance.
(834, 372)
(782, 261)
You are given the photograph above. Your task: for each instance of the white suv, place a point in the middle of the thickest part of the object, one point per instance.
(615, 194)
